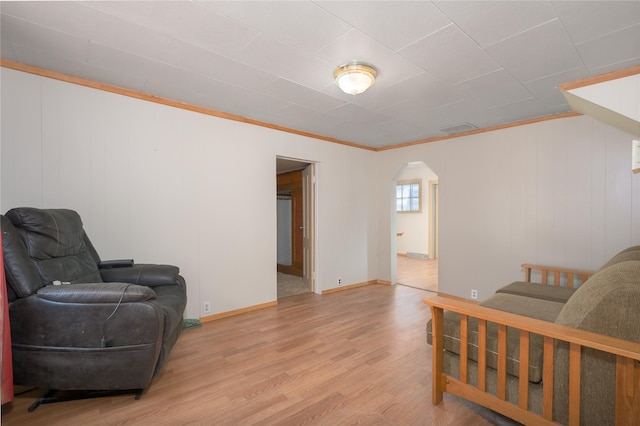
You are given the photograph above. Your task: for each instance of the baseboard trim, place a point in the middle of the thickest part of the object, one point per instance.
(227, 314)
(235, 312)
(350, 286)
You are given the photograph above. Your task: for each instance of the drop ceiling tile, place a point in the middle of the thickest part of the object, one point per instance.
(539, 52)
(301, 24)
(81, 21)
(495, 88)
(376, 98)
(184, 20)
(546, 89)
(403, 130)
(298, 116)
(169, 82)
(629, 63)
(243, 103)
(301, 95)
(128, 71)
(115, 77)
(611, 48)
(588, 20)
(560, 109)
(355, 46)
(469, 111)
(428, 90)
(395, 24)
(26, 34)
(199, 61)
(352, 132)
(523, 110)
(274, 57)
(434, 55)
(357, 114)
(6, 50)
(51, 60)
(488, 22)
(247, 103)
(415, 112)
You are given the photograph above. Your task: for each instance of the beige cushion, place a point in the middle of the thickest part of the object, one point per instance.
(539, 291)
(540, 309)
(608, 303)
(631, 253)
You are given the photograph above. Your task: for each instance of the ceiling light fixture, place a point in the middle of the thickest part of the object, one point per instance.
(354, 78)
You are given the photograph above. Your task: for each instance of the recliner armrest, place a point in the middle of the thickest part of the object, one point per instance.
(117, 263)
(97, 293)
(143, 274)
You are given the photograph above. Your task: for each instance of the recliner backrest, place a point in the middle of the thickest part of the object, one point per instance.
(21, 273)
(56, 245)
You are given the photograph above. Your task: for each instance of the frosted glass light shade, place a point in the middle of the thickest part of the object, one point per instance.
(354, 78)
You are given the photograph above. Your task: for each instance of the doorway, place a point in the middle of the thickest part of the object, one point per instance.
(295, 227)
(415, 226)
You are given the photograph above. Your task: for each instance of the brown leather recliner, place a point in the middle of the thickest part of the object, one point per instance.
(78, 323)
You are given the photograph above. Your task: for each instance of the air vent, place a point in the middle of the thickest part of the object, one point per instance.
(458, 128)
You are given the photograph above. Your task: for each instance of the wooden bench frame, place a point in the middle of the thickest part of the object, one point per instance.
(627, 360)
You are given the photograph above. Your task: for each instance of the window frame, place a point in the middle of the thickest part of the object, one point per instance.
(410, 182)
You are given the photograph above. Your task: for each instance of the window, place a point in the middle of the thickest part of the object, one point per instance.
(408, 196)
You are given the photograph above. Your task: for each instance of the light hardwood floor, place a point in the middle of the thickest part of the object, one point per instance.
(419, 273)
(353, 357)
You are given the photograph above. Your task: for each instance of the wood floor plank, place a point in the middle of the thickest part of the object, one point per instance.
(418, 273)
(352, 357)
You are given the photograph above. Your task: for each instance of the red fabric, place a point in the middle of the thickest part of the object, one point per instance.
(5, 342)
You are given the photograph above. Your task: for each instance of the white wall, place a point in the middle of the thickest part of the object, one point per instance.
(415, 226)
(166, 185)
(559, 192)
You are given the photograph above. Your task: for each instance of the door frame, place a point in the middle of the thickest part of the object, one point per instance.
(433, 219)
(309, 224)
(309, 195)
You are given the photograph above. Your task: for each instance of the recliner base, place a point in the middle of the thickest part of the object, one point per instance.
(50, 396)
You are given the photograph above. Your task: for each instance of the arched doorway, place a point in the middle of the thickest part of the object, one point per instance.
(415, 226)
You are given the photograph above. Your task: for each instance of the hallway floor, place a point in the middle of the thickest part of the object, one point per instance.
(418, 273)
(289, 285)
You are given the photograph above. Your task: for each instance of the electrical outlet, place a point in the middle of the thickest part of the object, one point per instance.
(474, 293)
(339, 281)
(206, 307)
